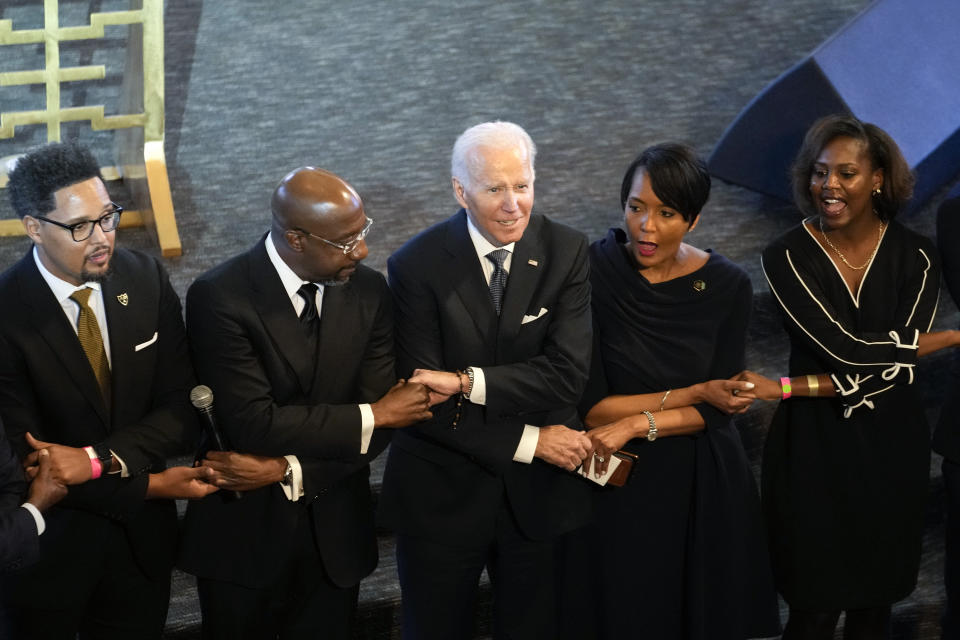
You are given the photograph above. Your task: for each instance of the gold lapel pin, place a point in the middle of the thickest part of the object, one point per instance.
(533, 263)
(699, 285)
(123, 299)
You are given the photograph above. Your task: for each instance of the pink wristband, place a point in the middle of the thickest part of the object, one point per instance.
(96, 468)
(785, 387)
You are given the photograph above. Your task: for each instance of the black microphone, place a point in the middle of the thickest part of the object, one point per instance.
(201, 397)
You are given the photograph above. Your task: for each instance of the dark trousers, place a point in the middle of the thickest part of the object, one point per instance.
(101, 593)
(439, 583)
(951, 569)
(302, 603)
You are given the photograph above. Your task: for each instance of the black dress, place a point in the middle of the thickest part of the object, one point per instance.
(679, 551)
(845, 479)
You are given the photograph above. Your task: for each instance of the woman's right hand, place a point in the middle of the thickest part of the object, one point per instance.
(729, 396)
(763, 388)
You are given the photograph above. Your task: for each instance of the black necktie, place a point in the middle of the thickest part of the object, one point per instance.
(498, 281)
(309, 320)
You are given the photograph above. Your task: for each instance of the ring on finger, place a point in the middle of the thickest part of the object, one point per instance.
(600, 458)
(736, 392)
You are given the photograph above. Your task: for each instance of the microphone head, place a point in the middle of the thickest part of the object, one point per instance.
(201, 397)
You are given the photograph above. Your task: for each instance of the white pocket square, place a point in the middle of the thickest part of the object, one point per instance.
(144, 345)
(526, 319)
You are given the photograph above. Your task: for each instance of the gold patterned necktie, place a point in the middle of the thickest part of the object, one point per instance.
(88, 331)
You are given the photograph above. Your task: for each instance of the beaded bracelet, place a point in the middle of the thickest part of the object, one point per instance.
(459, 409)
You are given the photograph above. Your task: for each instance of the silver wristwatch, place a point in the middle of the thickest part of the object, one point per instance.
(652, 431)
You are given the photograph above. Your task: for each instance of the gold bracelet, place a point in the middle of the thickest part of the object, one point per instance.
(664, 398)
(813, 386)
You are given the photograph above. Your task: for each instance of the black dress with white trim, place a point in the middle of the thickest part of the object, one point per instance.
(845, 479)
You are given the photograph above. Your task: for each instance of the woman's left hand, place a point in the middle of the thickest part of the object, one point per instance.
(606, 440)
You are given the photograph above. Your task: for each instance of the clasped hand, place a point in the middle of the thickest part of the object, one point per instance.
(68, 465)
(406, 403)
(440, 384)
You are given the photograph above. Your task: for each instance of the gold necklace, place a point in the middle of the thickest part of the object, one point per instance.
(834, 247)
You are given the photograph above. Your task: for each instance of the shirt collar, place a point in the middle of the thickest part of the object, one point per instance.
(61, 288)
(291, 281)
(481, 244)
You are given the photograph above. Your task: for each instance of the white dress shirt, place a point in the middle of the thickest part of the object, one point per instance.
(478, 393)
(62, 290)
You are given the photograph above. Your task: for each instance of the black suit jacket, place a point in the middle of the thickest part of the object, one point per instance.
(19, 541)
(48, 388)
(946, 436)
(445, 483)
(249, 349)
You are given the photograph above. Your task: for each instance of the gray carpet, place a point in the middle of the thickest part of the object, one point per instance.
(378, 91)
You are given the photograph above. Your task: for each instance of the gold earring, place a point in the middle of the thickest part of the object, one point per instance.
(877, 192)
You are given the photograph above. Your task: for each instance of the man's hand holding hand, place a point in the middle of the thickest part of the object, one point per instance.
(45, 490)
(68, 465)
(181, 483)
(562, 446)
(406, 403)
(243, 471)
(441, 384)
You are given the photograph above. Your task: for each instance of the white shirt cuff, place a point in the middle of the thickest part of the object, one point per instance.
(528, 444)
(478, 392)
(366, 427)
(37, 517)
(124, 472)
(294, 491)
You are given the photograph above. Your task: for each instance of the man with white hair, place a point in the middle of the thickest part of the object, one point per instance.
(492, 310)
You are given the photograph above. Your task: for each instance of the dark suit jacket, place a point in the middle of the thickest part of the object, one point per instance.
(249, 348)
(946, 436)
(447, 484)
(19, 542)
(48, 388)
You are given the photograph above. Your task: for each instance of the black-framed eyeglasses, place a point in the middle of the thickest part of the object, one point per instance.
(347, 247)
(84, 229)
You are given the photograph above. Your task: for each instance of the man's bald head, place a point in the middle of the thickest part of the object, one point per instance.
(309, 206)
(309, 195)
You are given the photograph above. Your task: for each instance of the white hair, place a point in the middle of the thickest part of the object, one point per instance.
(499, 134)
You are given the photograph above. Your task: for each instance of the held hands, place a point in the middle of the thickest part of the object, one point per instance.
(68, 465)
(764, 388)
(440, 384)
(181, 483)
(404, 404)
(604, 442)
(243, 471)
(729, 396)
(561, 446)
(45, 490)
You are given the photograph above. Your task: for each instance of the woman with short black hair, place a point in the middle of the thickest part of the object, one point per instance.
(679, 550)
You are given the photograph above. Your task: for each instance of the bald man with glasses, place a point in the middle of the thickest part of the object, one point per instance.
(295, 339)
